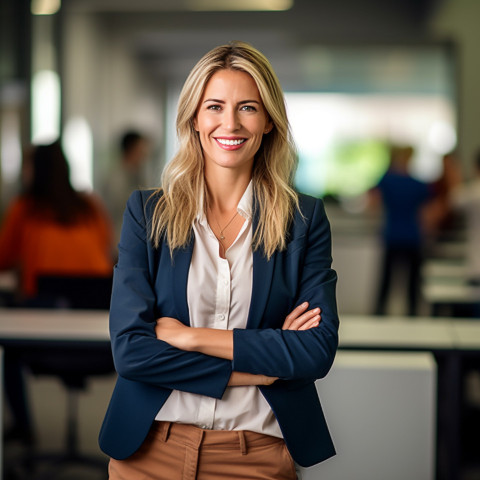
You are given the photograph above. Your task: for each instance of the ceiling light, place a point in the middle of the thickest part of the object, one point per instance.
(239, 5)
(45, 7)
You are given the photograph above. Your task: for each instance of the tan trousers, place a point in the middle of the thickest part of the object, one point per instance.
(174, 451)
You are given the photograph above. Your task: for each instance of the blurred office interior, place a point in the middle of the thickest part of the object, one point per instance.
(359, 75)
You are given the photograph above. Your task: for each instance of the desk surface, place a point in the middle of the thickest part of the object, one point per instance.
(356, 331)
(405, 333)
(444, 269)
(45, 324)
(450, 292)
(467, 334)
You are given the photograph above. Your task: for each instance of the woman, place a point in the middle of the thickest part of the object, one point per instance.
(215, 317)
(52, 229)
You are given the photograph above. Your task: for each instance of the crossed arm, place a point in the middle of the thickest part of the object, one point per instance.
(219, 343)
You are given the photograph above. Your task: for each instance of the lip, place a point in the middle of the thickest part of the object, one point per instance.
(230, 147)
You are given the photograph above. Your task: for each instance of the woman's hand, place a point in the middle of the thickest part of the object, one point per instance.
(301, 319)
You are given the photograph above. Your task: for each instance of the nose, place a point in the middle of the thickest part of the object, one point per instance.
(231, 120)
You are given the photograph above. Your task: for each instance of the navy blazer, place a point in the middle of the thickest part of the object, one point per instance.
(149, 284)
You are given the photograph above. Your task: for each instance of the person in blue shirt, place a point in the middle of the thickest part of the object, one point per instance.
(402, 198)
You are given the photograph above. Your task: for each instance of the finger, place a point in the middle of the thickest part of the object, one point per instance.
(294, 314)
(306, 317)
(269, 380)
(313, 322)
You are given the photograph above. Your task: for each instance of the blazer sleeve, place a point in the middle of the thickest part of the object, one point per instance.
(299, 355)
(138, 354)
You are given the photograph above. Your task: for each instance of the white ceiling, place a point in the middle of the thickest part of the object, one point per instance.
(168, 37)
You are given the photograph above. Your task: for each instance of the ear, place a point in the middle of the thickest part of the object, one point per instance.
(268, 127)
(195, 124)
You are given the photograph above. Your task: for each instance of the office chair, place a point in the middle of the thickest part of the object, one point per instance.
(72, 364)
(77, 292)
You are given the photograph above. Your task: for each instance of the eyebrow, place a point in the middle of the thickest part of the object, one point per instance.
(223, 101)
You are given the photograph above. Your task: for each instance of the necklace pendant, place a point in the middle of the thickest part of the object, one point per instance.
(222, 237)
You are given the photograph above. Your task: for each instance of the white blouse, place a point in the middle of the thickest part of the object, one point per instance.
(218, 293)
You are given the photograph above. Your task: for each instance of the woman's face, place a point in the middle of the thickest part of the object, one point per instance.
(231, 121)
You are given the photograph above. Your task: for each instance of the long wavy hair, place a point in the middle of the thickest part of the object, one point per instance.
(183, 184)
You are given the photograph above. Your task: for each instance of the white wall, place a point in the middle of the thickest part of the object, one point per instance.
(103, 83)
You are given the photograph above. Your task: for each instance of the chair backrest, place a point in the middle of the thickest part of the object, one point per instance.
(76, 292)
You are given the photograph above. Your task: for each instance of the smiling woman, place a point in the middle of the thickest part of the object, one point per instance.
(231, 122)
(183, 181)
(222, 275)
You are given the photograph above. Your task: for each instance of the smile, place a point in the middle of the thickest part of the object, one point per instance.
(224, 141)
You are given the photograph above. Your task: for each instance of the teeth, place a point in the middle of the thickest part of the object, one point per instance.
(230, 142)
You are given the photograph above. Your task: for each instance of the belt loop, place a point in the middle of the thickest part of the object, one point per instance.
(166, 430)
(192, 451)
(243, 443)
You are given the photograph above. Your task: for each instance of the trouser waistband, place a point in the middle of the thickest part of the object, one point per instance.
(193, 436)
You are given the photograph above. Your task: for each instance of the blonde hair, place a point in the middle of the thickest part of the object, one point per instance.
(274, 165)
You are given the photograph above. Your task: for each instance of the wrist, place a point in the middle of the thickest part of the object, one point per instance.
(193, 340)
(211, 341)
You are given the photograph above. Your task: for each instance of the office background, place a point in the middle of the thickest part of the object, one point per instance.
(358, 74)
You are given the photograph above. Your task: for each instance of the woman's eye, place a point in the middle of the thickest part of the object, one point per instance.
(248, 108)
(213, 107)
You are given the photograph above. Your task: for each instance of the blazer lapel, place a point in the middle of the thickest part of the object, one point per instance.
(262, 280)
(181, 265)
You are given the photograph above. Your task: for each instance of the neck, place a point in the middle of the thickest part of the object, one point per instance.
(225, 191)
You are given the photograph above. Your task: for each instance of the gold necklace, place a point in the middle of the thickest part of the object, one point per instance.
(222, 236)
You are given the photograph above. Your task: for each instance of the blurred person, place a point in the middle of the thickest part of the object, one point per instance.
(438, 215)
(402, 198)
(49, 229)
(126, 175)
(466, 197)
(215, 318)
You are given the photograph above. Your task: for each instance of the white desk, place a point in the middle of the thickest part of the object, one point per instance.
(381, 409)
(451, 292)
(46, 324)
(451, 340)
(396, 333)
(445, 285)
(440, 269)
(447, 297)
(467, 334)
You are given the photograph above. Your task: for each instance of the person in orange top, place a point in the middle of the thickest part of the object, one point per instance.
(51, 229)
